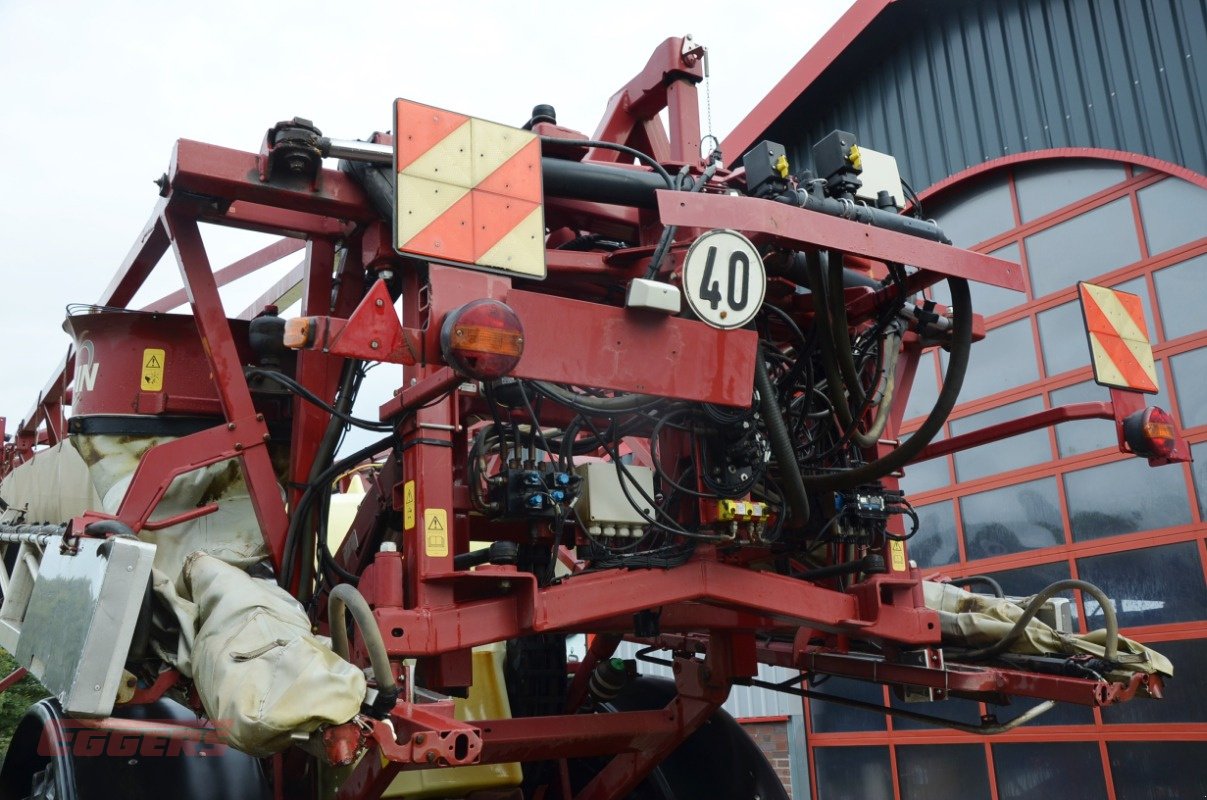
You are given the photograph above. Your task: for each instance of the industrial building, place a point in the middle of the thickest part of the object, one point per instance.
(1069, 136)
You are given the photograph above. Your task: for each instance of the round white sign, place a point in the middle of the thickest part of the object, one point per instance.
(724, 279)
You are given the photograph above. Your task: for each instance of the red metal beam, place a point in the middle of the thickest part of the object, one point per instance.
(812, 229)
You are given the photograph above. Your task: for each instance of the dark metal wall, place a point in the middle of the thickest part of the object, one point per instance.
(947, 84)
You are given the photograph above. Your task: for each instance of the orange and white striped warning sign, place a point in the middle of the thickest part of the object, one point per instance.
(1119, 345)
(468, 191)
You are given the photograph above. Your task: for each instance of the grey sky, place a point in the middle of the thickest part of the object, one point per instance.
(95, 93)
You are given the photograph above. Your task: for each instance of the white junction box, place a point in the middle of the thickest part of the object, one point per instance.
(879, 173)
(603, 506)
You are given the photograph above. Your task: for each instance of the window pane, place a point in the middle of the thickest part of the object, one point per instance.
(1190, 380)
(1180, 294)
(1083, 436)
(1084, 247)
(1125, 497)
(953, 708)
(987, 300)
(846, 772)
(1149, 586)
(1063, 338)
(1199, 470)
(833, 718)
(1027, 581)
(1050, 769)
(976, 215)
(1059, 714)
(1184, 693)
(925, 390)
(1002, 360)
(939, 772)
(1014, 518)
(1014, 452)
(1157, 770)
(1173, 214)
(1139, 287)
(935, 542)
(925, 475)
(1043, 188)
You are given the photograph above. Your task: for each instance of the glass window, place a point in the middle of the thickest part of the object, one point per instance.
(1157, 770)
(1125, 497)
(1139, 287)
(1048, 769)
(845, 772)
(1173, 214)
(1003, 455)
(939, 772)
(1027, 581)
(1180, 293)
(987, 299)
(1083, 436)
(1190, 378)
(1000, 361)
(1043, 188)
(957, 709)
(1199, 470)
(834, 718)
(1149, 586)
(1059, 714)
(976, 215)
(1184, 693)
(935, 542)
(1091, 244)
(1063, 338)
(925, 390)
(926, 475)
(1014, 518)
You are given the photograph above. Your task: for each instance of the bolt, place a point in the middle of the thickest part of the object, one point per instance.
(238, 447)
(374, 344)
(380, 302)
(431, 756)
(130, 568)
(230, 426)
(259, 417)
(420, 738)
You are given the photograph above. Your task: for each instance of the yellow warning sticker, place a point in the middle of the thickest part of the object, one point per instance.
(896, 549)
(408, 505)
(435, 532)
(152, 370)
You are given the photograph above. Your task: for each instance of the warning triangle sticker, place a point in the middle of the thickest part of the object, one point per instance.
(435, 525)
(153, 363)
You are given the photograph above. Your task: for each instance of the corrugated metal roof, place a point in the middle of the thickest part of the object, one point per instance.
(945, 85)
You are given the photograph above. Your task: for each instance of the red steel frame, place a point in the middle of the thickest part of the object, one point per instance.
(424, 606)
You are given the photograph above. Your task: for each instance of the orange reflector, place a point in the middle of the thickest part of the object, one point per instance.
(483, 339)
(487, 340)
(1151, 433)
(299, 332)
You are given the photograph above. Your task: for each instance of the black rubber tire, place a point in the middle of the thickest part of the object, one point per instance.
(222, 774)
(719, 760)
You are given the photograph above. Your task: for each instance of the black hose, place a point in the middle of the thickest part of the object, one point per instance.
(984, 580)
(346, 598)
(781, 443)
(953, 381)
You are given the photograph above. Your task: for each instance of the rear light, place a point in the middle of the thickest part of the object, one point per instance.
(1151, 433)
(482, 339)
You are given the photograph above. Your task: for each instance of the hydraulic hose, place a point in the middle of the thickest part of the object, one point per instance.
(839, 333)
(815, 275)
(957, 366)
(781, 442)
(1108, 611)
(345, 597)
(604, 406)
(892, 348)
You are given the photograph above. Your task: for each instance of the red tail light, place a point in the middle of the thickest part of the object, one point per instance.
(483, 339)
(1151, 433)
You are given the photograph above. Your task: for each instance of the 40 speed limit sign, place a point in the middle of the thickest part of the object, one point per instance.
(724, 279)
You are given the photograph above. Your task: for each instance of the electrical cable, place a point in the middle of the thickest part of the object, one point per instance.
(301, 391)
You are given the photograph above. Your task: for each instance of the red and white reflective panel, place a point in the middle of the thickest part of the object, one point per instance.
(468, 191)
(1119, 346)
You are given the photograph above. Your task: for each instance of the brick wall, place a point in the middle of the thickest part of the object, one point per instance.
(771, 735)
